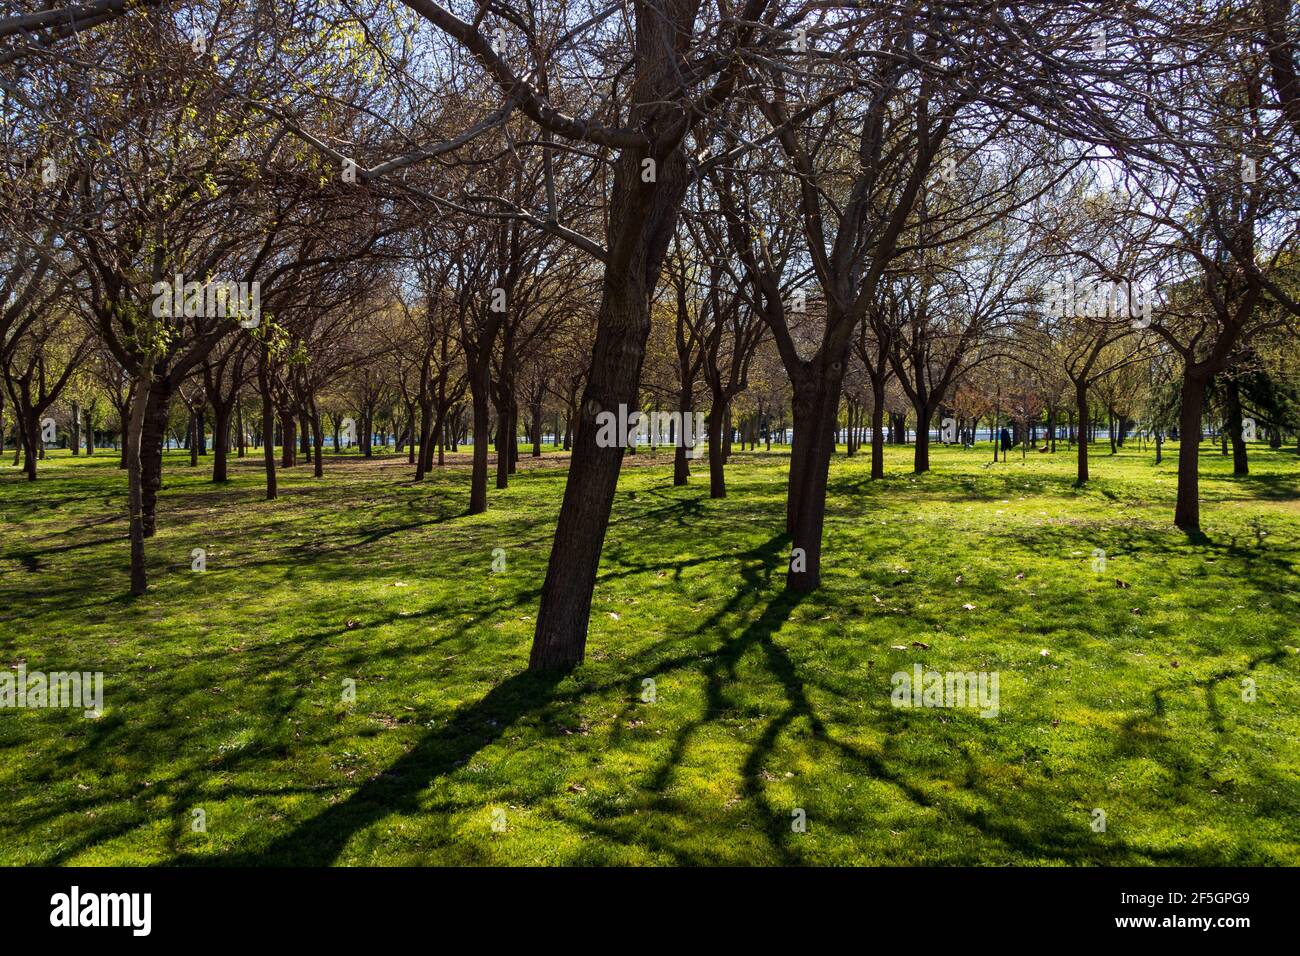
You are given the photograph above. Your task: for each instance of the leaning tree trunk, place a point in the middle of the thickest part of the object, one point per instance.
(641, 221)
(623, 326)
(1187, 512)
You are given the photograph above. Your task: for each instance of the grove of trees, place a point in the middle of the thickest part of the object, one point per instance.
(467, 229)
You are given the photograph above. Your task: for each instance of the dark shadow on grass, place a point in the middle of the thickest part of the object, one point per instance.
(319, 840)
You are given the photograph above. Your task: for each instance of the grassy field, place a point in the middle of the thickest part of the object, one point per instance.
(224, 690)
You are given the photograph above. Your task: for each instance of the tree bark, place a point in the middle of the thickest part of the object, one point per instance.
(1233, 425)
(268, 426)
(134, 440)
(821, 408)
(921, 455)
(220, 441)
(878, 430)
(1187, 511)
(717, 478)
(1081, 407)
(153, 433)
(478, 478)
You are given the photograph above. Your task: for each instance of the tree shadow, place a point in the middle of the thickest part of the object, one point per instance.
(319, 840)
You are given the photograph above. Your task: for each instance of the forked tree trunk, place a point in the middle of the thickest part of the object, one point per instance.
(642, 218)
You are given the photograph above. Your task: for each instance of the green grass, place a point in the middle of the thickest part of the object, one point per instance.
(223, 689)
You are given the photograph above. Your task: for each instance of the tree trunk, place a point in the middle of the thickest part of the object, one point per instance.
(921, 456)
(623, 325)
(878, 431)
(318, 441)
(1081, 407)
(1233, 425)
(268, 428)
(717, 478)
(821, 407)
(32, 440)
(478, 478)
(536, 412)
(220, 441)
(681, 464)
(288, 439)
(1187, 512)
(134, 439)
(152, 437)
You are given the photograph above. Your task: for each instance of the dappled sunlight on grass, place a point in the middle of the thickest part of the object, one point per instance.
(224, 689)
